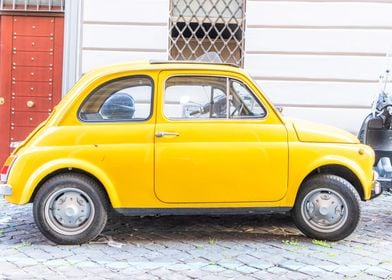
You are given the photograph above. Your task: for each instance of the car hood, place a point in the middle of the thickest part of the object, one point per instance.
(316, 132)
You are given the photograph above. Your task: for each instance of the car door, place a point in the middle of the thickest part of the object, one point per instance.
(116, 134)
(217, 142)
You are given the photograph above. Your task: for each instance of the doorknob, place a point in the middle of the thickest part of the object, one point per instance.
(2, 101)
(30, 104)
(163, 134)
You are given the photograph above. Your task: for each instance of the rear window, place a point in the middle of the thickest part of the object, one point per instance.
(125, 99)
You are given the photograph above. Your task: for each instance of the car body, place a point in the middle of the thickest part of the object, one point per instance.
(183, 138)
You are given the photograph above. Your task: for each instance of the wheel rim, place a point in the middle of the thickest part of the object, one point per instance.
(69, 211)
(324, 210)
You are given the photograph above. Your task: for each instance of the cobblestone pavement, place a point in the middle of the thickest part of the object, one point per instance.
(186, 247)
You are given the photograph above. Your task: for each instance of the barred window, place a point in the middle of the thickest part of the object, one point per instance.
(198, 27)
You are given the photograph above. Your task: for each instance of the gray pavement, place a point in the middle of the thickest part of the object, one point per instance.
(186, 247)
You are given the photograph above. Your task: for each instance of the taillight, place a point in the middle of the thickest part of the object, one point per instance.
(4, 173)
(5, 170)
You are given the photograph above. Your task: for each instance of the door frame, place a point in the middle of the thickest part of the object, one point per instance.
(72, 44)
(5, 78)
(6, 58)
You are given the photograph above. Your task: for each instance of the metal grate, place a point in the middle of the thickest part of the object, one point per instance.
(203, 26)
(32, 5)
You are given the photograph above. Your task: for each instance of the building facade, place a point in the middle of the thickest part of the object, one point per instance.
(320, 60)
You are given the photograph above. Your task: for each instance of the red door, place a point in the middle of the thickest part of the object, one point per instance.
(30, 75)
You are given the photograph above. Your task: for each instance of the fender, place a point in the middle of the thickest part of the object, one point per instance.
(52, 166)
(296, 180)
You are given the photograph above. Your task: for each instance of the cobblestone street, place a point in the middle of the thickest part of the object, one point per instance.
(186, 247)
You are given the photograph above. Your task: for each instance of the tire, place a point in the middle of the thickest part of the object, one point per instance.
(70, 209)
(327, 208)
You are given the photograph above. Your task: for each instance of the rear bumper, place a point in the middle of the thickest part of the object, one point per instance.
(5, 189)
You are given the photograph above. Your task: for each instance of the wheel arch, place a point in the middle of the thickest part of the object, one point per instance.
(327, 207)
(53, 168)
(340, 171)
(69, 171)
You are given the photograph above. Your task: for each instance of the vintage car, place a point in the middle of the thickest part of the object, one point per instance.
(175, 138)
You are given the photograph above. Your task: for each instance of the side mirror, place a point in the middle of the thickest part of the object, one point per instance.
(279, 108)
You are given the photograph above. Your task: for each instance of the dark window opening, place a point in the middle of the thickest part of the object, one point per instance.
(198, 27)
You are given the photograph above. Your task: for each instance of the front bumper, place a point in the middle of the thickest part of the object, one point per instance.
(5, 189)
(377, 187)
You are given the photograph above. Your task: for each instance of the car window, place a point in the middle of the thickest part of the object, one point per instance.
(243, 103)
(194, 98)
(125, 99)
(203, 97)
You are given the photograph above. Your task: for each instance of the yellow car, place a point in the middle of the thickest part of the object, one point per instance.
(165, 138)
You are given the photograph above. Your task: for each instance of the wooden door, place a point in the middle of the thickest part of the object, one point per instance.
(30, 75)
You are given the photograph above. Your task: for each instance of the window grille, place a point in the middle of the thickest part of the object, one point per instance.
(32, 5)
(203, 26)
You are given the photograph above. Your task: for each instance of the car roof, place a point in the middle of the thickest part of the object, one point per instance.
(162, 65)
(190, 62)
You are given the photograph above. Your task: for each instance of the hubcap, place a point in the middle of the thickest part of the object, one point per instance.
(324, 210)
(69, 211)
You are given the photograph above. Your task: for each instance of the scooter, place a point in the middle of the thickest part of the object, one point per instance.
(376, 131)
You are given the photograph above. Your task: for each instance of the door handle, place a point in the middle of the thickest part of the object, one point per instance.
(2, 100)
(163, 134)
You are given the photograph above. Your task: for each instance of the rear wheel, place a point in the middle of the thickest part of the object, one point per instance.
(327, 208)
(70, 209)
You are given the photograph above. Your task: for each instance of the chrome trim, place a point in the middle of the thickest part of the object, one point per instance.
(153, 61)
(375, 175)
(164, 133)
(377, 185)
(377, 189)
(69, 211)
(324, 210)
(5, 189)
(3, 178)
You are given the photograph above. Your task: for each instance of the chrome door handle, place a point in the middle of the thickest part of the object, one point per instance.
(163, 134)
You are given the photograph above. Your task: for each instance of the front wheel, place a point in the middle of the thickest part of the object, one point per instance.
(327, 208)
(70, 209)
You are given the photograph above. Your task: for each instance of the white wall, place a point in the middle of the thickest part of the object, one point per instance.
(123, 30)
(320, 60)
